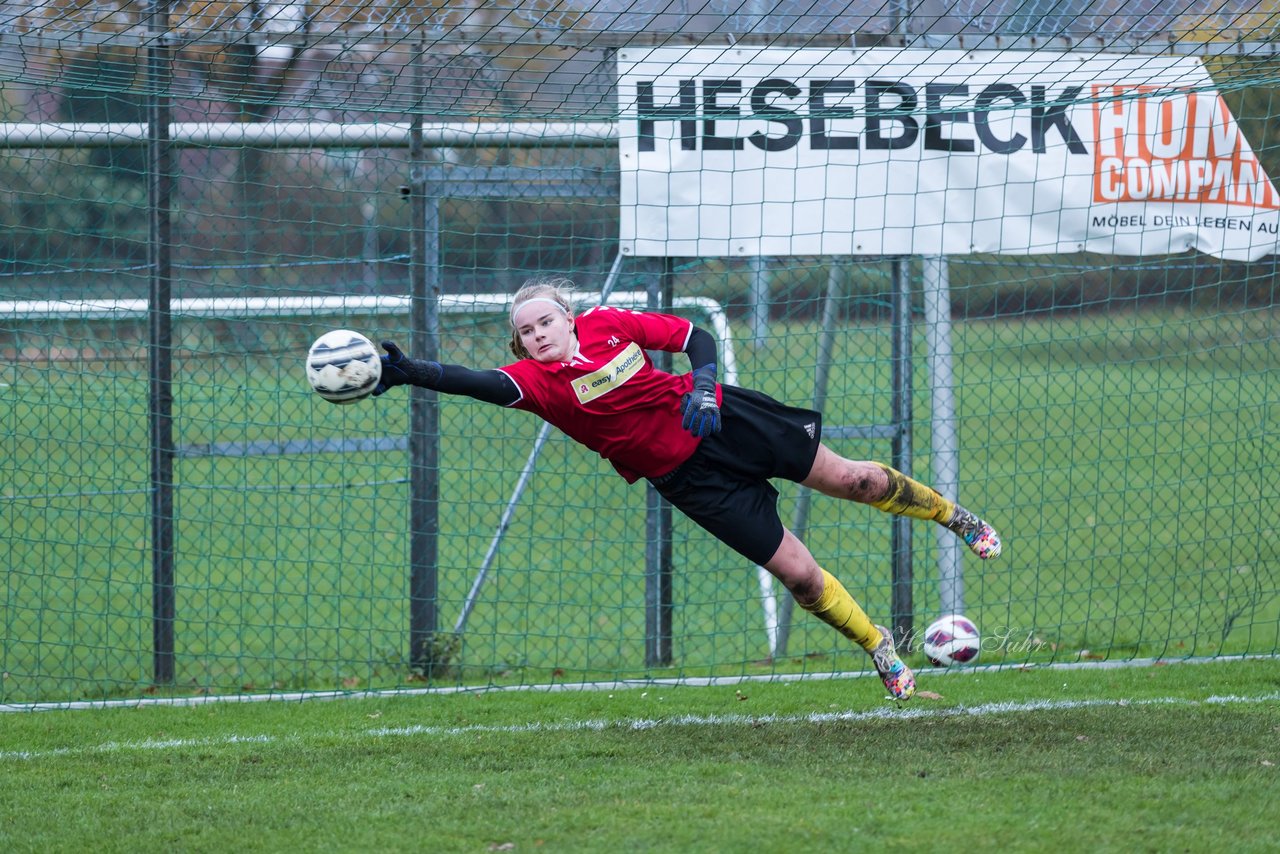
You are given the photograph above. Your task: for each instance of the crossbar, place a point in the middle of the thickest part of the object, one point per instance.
(283, 134)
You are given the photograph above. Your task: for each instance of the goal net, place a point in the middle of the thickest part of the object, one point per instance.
(1096, 377)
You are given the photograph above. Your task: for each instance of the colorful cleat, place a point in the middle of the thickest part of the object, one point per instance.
(897, 677)
(980, 537)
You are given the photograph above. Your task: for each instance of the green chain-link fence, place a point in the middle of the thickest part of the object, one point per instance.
(1115, 415)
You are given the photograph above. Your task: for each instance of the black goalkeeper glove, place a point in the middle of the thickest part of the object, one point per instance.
(399, 369)
(701, 412)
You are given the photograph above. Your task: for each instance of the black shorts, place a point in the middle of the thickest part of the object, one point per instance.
(725, 487)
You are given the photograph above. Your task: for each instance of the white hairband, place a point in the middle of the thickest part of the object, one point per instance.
(564, 310)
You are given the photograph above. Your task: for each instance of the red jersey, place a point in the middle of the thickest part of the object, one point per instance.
(610, 397)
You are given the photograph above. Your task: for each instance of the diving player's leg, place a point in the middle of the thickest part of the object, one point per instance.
(821, 594)
(891, 491)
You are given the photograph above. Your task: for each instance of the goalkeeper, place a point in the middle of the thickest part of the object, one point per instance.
(709, 449)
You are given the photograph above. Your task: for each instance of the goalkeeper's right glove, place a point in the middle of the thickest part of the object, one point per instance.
(399, 369)
(699, 407)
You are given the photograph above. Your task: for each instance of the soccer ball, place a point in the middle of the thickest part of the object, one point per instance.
(952, 639)
(343, 366)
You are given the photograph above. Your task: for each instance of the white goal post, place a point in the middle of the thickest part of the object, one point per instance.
(368, 305)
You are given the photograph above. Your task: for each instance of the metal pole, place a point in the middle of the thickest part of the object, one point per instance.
(424, 407)
(312, 134)
(826, 344)
(900, 11)
(945, 451)
(759, 267)
(758, 12)
(901, 604)
(160, 344)
(658, 522)
(900, 599)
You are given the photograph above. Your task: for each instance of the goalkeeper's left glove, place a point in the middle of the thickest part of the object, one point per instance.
(399, 369)
(701, 412)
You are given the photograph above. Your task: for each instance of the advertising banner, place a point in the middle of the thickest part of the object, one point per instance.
(732, 151)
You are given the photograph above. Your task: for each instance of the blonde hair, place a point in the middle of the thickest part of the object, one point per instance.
(556, 290)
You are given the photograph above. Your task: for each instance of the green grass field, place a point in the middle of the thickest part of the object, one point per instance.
(1127, 458)
(1166, 758)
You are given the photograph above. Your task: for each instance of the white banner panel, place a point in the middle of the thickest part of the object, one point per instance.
(816, 151)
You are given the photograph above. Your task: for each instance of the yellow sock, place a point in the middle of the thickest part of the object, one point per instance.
(837, 608)
(907, 497)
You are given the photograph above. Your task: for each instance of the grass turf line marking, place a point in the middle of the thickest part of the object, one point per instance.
(640, 724)
(612, 685)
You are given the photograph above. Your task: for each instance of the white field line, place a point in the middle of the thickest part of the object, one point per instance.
(616, 685)
(912, 713)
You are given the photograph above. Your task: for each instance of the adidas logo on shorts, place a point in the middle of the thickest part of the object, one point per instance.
(809, 428)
